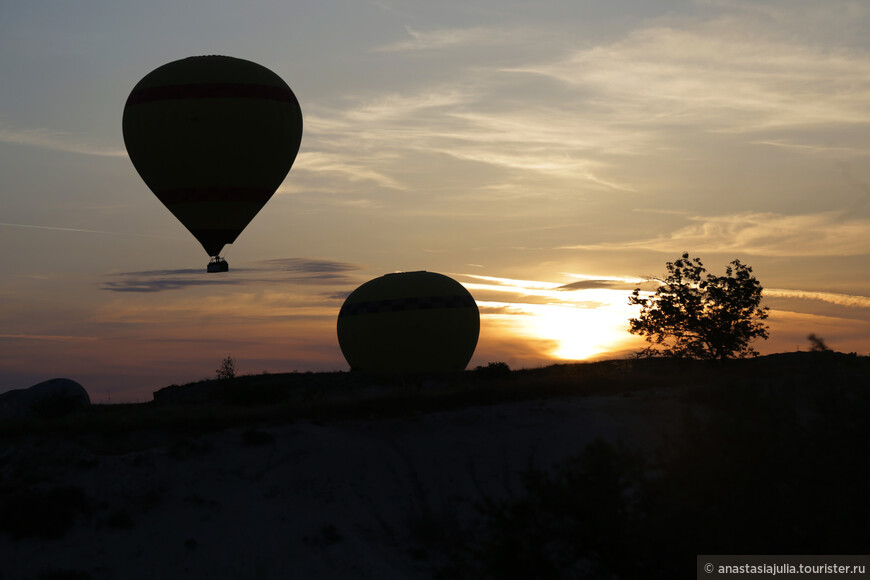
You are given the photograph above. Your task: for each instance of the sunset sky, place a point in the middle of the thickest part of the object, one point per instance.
(548, 155)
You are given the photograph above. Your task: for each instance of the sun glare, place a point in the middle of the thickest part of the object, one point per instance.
(574, 325)
(577, 332)
(580, 333)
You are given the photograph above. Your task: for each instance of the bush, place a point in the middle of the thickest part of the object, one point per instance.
(46, 514)
(760, 475)
(227, 370)
(493, 370)
(817, 344)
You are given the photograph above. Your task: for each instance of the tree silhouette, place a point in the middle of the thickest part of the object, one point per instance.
(227, 370)
(701, 317)
(818, 344)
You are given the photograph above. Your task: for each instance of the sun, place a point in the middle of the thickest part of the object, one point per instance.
(573, 324)
(577, 332)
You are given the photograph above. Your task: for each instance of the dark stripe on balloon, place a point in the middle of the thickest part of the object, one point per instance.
(402, 304)
(211, 91)
(256, 195)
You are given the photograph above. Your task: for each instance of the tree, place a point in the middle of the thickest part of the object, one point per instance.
(693, 316)
(817, 344)
(227, 370)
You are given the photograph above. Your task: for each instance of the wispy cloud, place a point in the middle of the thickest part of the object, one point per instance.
(392, 106)
(572, 118)
(347, 167)
(287, 270)
(376, 139)
(309, 266)
(49, 337)
(829, 297)
(56, 140)
(80, 230)
(719, 75)
(766, 234)
(257, 306)
(812, 148)
(593, 284)
(447, 38)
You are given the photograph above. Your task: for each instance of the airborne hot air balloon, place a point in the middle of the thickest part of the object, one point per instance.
(213, 137)
(409, 322)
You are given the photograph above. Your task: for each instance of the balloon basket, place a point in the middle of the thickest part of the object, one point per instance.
(218, 264)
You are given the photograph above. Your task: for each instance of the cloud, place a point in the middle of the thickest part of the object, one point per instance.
(447, 38)
(292, 270)
(49, 337)
(336, 296)
(185, 313)
(392, 106)
(810, 320)
(58, 141)
(161, 280)
(532, 136)
(590, 293)
(756, 233)
(320, 162)
(377, 138)
(597, 284)
(732, 73)
(36, 227)
(829, 297)
(512, 284)
(591, 114)
(812, 148)
(309, 265)
(162, 284)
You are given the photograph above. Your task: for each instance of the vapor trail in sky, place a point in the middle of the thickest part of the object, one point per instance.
(75, 230)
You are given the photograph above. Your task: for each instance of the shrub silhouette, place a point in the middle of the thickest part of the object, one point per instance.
(46, 514)
(817, 344)
(779, 469)
(571, 523)
(227, 370)
(493, 370)
(712, 317)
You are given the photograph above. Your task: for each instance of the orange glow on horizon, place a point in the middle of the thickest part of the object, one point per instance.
(568, 324)
(571, 332)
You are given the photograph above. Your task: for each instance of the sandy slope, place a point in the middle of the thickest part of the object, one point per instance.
(343, 499)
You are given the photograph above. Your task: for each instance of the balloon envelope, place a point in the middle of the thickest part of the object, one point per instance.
(409, 322)
(213, 137)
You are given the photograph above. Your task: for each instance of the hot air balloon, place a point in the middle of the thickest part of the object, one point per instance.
(409, 322)
(213, 137)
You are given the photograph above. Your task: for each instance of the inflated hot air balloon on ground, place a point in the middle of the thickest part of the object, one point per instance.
(409, 322)
(213, 137)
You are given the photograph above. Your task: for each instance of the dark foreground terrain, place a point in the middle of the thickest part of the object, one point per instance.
(619, 469)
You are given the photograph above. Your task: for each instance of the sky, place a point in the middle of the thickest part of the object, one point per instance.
(550, 156)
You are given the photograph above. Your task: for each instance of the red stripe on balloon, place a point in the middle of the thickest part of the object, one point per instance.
(410, 303)
(211, 194)
(211, 91)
